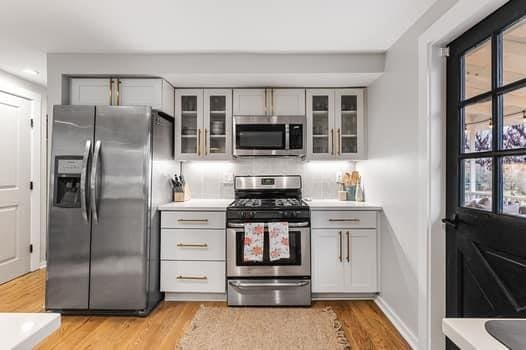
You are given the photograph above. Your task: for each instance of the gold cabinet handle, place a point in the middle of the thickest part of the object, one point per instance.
(192, 245)
(272, 101)
(348, 246)
(344, 220)
(206, 142)
(111, 91)
(118, 92)
(201, 278)
(198, 142)
(339, 143)
(193, 221)
(332, 142)
(340, 235)
(266, 102)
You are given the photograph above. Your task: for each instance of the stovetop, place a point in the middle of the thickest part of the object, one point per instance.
(268, 203)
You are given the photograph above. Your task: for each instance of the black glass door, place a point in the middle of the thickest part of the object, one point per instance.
(486, 168)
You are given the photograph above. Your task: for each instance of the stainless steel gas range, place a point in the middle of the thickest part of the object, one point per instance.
(263, 200)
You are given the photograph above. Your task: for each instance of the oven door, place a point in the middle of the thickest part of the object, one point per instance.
(268, 136)
(297, 265)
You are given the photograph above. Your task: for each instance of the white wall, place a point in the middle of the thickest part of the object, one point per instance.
(391, 171)
(12, 84)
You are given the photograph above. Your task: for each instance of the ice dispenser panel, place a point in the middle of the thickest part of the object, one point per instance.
(67, 181)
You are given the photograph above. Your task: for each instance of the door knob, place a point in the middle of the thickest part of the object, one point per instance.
(452, 221)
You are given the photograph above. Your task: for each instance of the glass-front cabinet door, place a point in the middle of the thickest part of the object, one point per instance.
(349, 123)
(336, 123)
(320, 123)
(217, 124)
(189, 121)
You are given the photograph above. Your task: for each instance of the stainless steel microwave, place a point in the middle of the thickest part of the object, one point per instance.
(269, 136)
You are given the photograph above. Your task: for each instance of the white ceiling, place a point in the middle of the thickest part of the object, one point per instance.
(31, 28)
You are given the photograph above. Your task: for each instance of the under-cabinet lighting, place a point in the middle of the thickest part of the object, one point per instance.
(330, 165)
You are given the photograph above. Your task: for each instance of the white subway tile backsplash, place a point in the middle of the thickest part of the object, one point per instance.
(205, 178)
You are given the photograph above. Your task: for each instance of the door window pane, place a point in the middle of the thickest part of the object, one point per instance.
(477, 127)
(477, 70)
(514, 185)
(514, 119)
(514, 53)
(477, 183)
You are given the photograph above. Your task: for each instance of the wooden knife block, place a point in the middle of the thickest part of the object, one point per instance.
(184, 196)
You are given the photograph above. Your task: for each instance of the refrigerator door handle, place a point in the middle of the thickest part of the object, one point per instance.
(93, 180)
(83, 177)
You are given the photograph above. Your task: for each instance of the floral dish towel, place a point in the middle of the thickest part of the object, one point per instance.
(253, 244)
(279, 240)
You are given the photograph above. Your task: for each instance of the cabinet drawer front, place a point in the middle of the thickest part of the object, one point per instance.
(181, 244)
(193, 219)
(193, 276)
(343, 219)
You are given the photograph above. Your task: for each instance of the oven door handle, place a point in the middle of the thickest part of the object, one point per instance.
(295, 224)
(273, 285)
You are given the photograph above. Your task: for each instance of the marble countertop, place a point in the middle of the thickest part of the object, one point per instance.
(26, 330)
(328, 204)
(470, 334)
(221, 204)
(198, 204)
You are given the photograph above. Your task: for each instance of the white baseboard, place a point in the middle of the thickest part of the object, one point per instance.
(43, 264)
(405, 332)
(343, 296)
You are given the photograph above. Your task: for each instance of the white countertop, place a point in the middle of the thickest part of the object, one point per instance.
(470, 334)
(198, 204)
(328, 204)
(26, 330)
(221, 204)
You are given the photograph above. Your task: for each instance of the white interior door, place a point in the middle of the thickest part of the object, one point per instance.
(15, 167)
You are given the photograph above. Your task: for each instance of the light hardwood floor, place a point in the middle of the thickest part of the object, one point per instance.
(365, 325)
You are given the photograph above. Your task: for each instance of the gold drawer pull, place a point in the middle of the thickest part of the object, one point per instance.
(201, 278)
(192, 245)
(344, 220)
(193, 221)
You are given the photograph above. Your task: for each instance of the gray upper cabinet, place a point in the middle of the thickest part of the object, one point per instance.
(203, 122)
(336, 124)
(285, 102)
(250, 101)
(87, 91)
(157, 93)
(288, 101)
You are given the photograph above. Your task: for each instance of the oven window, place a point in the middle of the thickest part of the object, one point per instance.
(260, 136)
(294, 244)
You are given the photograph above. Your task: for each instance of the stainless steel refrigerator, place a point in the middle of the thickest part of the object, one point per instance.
(109, 171)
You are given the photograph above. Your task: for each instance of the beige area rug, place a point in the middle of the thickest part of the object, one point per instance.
(263, 329)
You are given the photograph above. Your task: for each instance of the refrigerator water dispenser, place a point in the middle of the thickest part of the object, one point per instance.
(67, 181)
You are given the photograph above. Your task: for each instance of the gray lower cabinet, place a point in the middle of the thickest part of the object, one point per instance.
(193, 255)
(344, 251)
